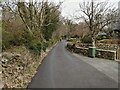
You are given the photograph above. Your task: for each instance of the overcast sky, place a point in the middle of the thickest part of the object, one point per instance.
(69, 7)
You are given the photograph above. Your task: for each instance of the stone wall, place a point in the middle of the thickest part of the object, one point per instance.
(81, 50)
(100, 53)
(106, 54)
(102, 46)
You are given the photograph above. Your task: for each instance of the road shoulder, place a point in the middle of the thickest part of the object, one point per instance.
(108, 67)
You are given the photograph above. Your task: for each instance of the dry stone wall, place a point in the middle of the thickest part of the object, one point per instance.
(100, 53)
(102, 46)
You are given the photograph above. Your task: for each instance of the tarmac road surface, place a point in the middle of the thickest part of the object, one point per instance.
(61, 69)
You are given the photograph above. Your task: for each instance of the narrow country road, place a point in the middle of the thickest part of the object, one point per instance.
(60, 69)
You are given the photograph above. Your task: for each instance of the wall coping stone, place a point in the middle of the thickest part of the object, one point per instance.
(81, 47)
(98, 49)
(106, 50)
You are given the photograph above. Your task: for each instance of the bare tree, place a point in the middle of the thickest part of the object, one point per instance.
(97, 16)
(70, 26)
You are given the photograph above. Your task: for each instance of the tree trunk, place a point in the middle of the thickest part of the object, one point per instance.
(93, 42)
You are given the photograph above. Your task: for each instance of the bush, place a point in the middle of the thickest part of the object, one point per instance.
(52, 41)
(35, 46)
(44, 46)
(75, 36)
(11, 39)
(86, 39)
(72, 39)
(17, 38)
(6, 39)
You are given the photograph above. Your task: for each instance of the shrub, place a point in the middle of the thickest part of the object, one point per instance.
(6, 39)
(44, 45)
(52, 41)
(17, 38)
(12, 39)
(35, 46)
(86, 39)
(72, 39)
(75, 36)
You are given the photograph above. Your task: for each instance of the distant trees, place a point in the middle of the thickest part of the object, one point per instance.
(97, 16)
(71, 26)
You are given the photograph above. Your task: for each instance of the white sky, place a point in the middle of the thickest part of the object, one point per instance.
(69, 7)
